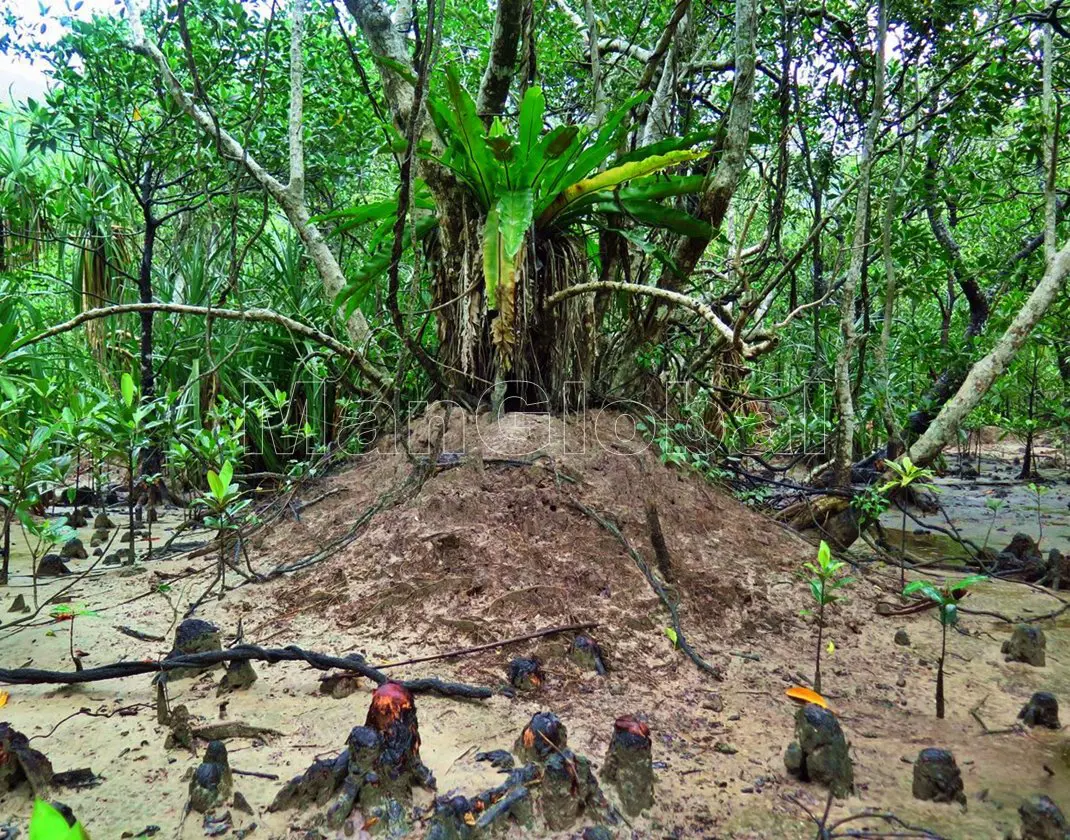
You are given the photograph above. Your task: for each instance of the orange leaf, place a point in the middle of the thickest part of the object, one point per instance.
(3, 698)
(804, 695)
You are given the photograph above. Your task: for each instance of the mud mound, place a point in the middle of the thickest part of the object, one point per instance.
(479, 537)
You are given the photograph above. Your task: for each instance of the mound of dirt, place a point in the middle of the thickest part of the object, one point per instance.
(480, 533)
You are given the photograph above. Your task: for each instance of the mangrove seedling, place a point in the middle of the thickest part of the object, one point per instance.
(825, 584)
(1038, 490)
(993, 505)
(869, 504)
(46, 534)
(946, 599)
(69, 612)
(224, 503)
(127, 423)
(907, 475)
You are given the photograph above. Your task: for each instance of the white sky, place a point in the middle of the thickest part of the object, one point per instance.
(18, 77)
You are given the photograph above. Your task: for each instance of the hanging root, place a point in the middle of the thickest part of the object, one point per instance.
(714, 671)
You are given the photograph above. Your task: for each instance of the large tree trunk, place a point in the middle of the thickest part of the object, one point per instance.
(945, 426)
(834, 517)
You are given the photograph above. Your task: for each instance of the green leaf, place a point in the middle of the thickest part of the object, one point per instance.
(670, 634)
(532, 107)
(925, 588)
(816, 591)
(608, 180)
(824, 553)
(226, 473)
(472, 139)
(559, 140)
(969, 580)
(215, 485)
(648, 213)
(397, 67)
(515, 210)
(499, 267)
(126, 388)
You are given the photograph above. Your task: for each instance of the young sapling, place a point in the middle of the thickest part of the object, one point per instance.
(1038, 490)
(825, 584)
(946, 599)
(69, 612)
(224, 503)
(993, 505)
(907, 474)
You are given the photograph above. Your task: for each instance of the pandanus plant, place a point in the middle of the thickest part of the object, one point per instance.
(533, 185)
(946, 599)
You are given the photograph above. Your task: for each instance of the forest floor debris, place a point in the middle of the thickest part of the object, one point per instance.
(485, 553)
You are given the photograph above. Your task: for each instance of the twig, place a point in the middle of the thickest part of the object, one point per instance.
(568, 628)
(122, 710)
(713, 670)
(975, 713)
(271, 777)
(137, 634)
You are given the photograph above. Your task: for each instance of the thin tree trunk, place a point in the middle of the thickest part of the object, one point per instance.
(940, 673)
(1051, 137)
(1027, 457)
(820, 636)
(895, 444)
(7, 547)
(289, 197)
(844, 399)
(498, 74)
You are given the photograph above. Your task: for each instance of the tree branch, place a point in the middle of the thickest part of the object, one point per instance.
(253, 314)
(945, 426)
(668, 295)
(293, 206)
(501, 63)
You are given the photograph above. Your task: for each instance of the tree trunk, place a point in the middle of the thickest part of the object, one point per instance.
(945, 425)
(844, 398)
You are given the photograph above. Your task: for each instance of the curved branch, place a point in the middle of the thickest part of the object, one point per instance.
(239, 653)
(677, 298)
(253, 314)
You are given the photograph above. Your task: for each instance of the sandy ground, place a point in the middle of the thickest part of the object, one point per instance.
(487, 551)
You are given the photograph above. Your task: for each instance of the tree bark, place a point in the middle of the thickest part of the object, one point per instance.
(713, 204)
(498, 74)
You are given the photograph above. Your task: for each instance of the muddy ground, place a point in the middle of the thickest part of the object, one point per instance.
(496, 547)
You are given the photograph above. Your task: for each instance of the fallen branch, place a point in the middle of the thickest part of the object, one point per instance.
(240, 653)
(975, 713)
(137, 634)
(492, 645)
